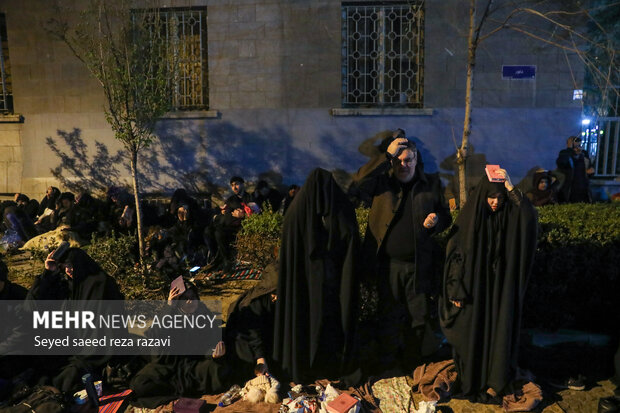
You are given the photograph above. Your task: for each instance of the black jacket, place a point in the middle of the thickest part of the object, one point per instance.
(375, 179)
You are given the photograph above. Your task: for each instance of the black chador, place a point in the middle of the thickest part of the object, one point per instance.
(317, 286)
(488, 262)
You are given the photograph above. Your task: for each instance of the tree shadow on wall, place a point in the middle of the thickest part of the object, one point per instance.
(80, 172)
(192, 155)
(202, 152)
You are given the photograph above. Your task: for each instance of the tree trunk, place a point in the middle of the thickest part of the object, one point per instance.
(461, 157)
(136, 194)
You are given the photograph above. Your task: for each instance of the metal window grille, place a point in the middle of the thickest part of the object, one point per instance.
(185, 32)
(6, 97)
(383, 54)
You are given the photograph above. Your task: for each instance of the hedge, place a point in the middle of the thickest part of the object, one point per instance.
(575, 281)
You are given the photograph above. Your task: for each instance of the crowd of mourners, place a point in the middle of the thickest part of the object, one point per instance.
(301, 323)
(185, 231)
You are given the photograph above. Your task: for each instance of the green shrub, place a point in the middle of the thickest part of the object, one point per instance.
(118, 256)
(258, 241)
(575, 280)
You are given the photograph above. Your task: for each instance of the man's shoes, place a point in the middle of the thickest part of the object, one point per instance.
(609, 405)
(572, 383)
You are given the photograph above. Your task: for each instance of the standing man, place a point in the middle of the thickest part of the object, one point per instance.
(575, 165)
(407, 209)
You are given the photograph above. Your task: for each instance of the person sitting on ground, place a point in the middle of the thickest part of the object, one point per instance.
(288, 199)
(122, 211)
(48, 202)
(92, 214)
(9, 290)
(575, 166)
(10, 365)
(30, 206)
(221, 234)
(265, 194)
(543, 189)
(17, 220)
(63, 213)
(179, 197)
(75, 276)
(167, 377)
(249, 328)
(186, 236)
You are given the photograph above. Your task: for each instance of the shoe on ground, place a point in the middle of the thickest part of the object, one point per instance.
(609, 405)
(571, 383)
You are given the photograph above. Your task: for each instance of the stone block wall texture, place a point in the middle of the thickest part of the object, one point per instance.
(274, 75)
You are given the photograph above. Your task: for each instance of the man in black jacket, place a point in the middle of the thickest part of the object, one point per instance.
(574, 163)
(407, 209)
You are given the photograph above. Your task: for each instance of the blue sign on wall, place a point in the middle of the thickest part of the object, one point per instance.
(518, 72)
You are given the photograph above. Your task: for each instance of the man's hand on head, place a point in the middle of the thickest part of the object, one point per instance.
(396, 146)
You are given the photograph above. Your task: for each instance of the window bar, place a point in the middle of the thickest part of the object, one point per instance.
(614, 154)
(200, 66)
(5, 107)
(173, 33)
(344, 55)
(381, 66)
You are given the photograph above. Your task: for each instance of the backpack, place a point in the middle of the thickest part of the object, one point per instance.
(43, 399)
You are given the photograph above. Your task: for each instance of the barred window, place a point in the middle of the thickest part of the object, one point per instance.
(383, 54)
(185, 32)
(6, 97)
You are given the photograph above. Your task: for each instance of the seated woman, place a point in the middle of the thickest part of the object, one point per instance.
(488, 262)
(167, 377)
(249, 327)
(544, 191)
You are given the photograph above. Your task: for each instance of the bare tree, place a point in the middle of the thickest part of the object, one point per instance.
(122, 48)
(567, 25)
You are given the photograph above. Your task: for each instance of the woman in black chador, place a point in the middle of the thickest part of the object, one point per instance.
(313, 333)
(488, 262)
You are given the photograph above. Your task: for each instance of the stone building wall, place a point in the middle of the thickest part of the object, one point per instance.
(274, 78)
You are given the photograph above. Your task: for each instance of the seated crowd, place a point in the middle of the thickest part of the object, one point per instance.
(183, 232)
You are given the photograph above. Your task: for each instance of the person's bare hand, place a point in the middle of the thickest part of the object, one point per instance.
(590, 171)
(431, 220)
(238, 213)
(219, 350)
(396, 146)
(174, 293)
(507, 182)
(50, 264)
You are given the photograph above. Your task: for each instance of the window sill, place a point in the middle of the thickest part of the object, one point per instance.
(381, 112)
(193, 114)
(13, 118)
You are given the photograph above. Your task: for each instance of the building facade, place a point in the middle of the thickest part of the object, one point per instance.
(279, 87)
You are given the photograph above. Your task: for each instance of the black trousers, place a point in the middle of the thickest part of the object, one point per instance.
(404, 316)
